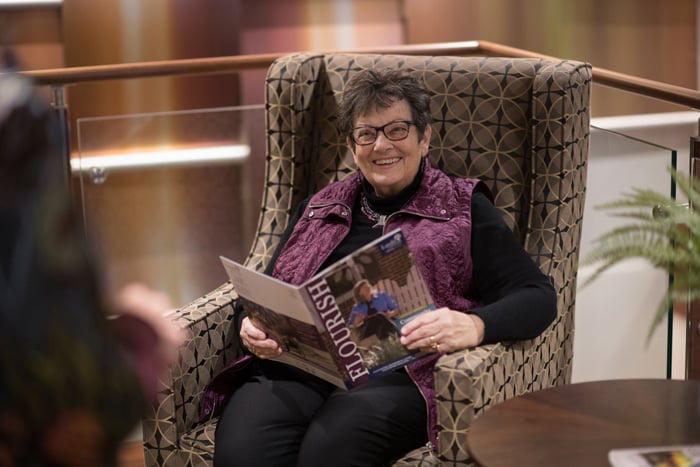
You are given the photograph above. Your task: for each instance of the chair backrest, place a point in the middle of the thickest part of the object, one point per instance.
(520, 125)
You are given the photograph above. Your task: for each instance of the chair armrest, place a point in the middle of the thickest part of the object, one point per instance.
(470, 381)
(209, 347)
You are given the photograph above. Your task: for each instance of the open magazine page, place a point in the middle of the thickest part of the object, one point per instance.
(343, 324)
(658, 456)
(297, 330)
(394, 293)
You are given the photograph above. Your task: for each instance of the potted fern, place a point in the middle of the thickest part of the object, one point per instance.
(663, 232)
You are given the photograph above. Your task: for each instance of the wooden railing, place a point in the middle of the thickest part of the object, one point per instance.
(64, 76)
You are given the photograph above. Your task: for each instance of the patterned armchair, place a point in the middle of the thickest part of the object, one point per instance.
(521, 125)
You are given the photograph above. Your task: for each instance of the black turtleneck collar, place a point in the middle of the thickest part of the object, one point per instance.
(389, 205)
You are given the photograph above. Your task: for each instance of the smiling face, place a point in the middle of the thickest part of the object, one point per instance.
(390, 166)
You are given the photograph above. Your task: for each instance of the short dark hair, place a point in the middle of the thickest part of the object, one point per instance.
(358, 286)
(371, 89)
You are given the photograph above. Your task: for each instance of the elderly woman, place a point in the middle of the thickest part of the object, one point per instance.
(486, 286)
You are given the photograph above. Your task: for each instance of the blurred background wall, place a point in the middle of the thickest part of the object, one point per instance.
(167, 226)
(647, 38)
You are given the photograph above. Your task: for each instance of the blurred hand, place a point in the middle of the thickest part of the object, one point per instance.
(151, 306)
(151, 339)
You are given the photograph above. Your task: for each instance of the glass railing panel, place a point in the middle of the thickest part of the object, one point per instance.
(614, 312)
(692, 310)
(164, 194)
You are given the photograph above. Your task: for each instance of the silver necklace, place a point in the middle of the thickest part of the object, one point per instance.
(379, 219)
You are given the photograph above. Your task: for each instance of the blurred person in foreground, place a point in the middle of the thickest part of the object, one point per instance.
(75, 368)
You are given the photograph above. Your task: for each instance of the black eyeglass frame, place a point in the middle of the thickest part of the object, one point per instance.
(377, 129)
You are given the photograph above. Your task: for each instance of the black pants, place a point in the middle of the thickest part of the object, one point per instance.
(378, 325)
(282, 417)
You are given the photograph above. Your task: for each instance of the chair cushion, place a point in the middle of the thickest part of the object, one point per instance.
(198, 443)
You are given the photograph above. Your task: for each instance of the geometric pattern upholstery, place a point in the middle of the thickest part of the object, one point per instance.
(520, 125)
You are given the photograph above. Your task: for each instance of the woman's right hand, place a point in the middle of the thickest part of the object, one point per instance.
(257, 341)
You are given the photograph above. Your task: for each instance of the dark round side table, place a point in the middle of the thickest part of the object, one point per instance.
(578, 424)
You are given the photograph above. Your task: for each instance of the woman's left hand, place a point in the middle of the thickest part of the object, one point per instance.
(443, 330)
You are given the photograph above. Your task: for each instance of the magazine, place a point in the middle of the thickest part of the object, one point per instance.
(657, 456)
(321, 325)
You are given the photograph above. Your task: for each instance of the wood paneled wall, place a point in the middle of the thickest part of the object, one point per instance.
(647, 38)
(35, 36)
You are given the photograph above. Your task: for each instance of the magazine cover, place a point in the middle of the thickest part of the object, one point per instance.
(343, 324)
(658, 456)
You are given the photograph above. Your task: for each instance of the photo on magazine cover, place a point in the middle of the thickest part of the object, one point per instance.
(377, 291)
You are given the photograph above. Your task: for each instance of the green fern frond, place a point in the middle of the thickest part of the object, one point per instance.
(641, 197)
(687, 185)
(626, 242)
(660, 231)
(646, 233)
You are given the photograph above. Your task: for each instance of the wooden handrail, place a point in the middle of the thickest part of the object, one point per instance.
(64, 76)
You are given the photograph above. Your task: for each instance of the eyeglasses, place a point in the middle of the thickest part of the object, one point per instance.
(394, 131)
